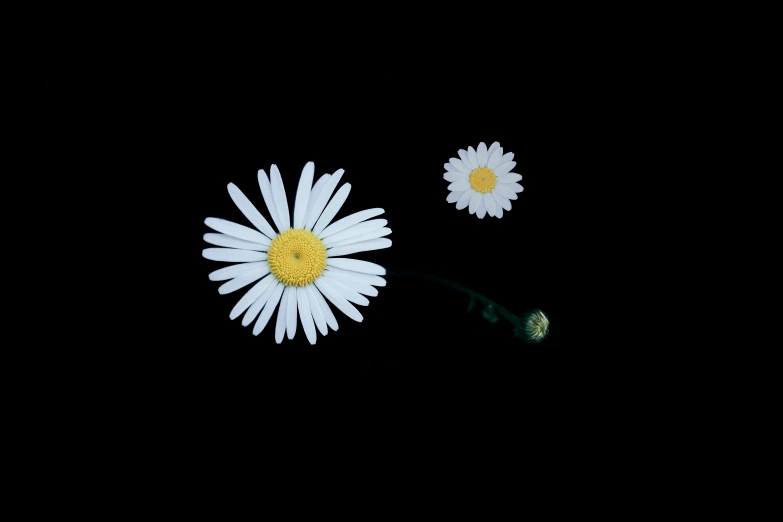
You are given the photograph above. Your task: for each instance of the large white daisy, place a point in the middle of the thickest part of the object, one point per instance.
(298, 266)
(482, 180)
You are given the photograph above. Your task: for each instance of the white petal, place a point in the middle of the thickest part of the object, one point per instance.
(303, 194)
(303, 303)
(278, 194)
(510, 178)
(372, 234)
(323, 199)
(504, 189)
(232, 242)
(464, 199)
(493, 160)
(243, 280)
(503, 202)
(463, 155)
(346, 222)
(350, 295)
(492, 148)
(472, 158)
(453, 197)
(328, 315)
(461, 167)
(506, 158)
(232, 271)
(361, 246)
(368, 279)
(516, 187)
(250, 297)
(351, 283)
(250, 211)
(475, 199)
(338, 300)
(355, 230)
(459, 185)
(489, 203)
(331, 209)
(290, 314)
(449, 167)
(498, 212)
(481, 154)
(455, 176)
(232, 255)
(270, 284)
(315, 310)
(280, 325)
(355, 265)
(317, 188)
(481, 210)
(269, 308)
(505, 168)
(239, 231)
(266, 192)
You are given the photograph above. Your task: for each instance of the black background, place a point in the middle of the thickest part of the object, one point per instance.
(392, 134)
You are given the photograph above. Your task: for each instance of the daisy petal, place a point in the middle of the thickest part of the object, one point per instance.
(232, 271)
(338, 300)
(355, 265)
(256, 306)
(463, 155)
(303, 194)
(460, 185)
(250, 211)
(290, 314)
(455, 176)
(475, 199)
(232, 255)
(356, 276)
(243, 280)
(492, 148)
(503, 202)
(489, 202)
(250, 297)
(464, 199)
(303, 303)
(498, 212)
(323, 198)
(493, 160)
(317, 188)
(516, 187)
(328, 315)
(481, 210)
(266, 192)
(232, 242)
(461, 167)
(332, 209)
(238, 231)
(315, 309)
(346, 222)
(349, 295)
(454, 196)
(353, 284)
(355, 230)
(481, 154)
(269, 308)
(280, 325)
(372, 234)
(449, 167)
(506, 158)
(510, 178)
(361, 246)
(505, 168)
(504, 189)
(278, 194)
(473, 157)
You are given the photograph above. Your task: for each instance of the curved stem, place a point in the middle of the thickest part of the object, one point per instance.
(513, 319)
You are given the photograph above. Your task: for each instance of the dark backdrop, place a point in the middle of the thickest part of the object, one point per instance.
(392, 134)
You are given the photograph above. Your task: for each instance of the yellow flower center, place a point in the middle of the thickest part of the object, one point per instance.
(296, 257)
(483, 180)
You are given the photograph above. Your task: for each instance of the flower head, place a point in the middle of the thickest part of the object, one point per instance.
(482, 180)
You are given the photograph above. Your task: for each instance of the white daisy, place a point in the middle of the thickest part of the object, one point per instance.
(298, 265)
(482, 180)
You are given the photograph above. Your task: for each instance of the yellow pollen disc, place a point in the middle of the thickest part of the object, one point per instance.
(483, 180)
(296, 257)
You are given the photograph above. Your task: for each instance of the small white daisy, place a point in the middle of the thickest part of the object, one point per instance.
(482, 180)
(303, 263)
